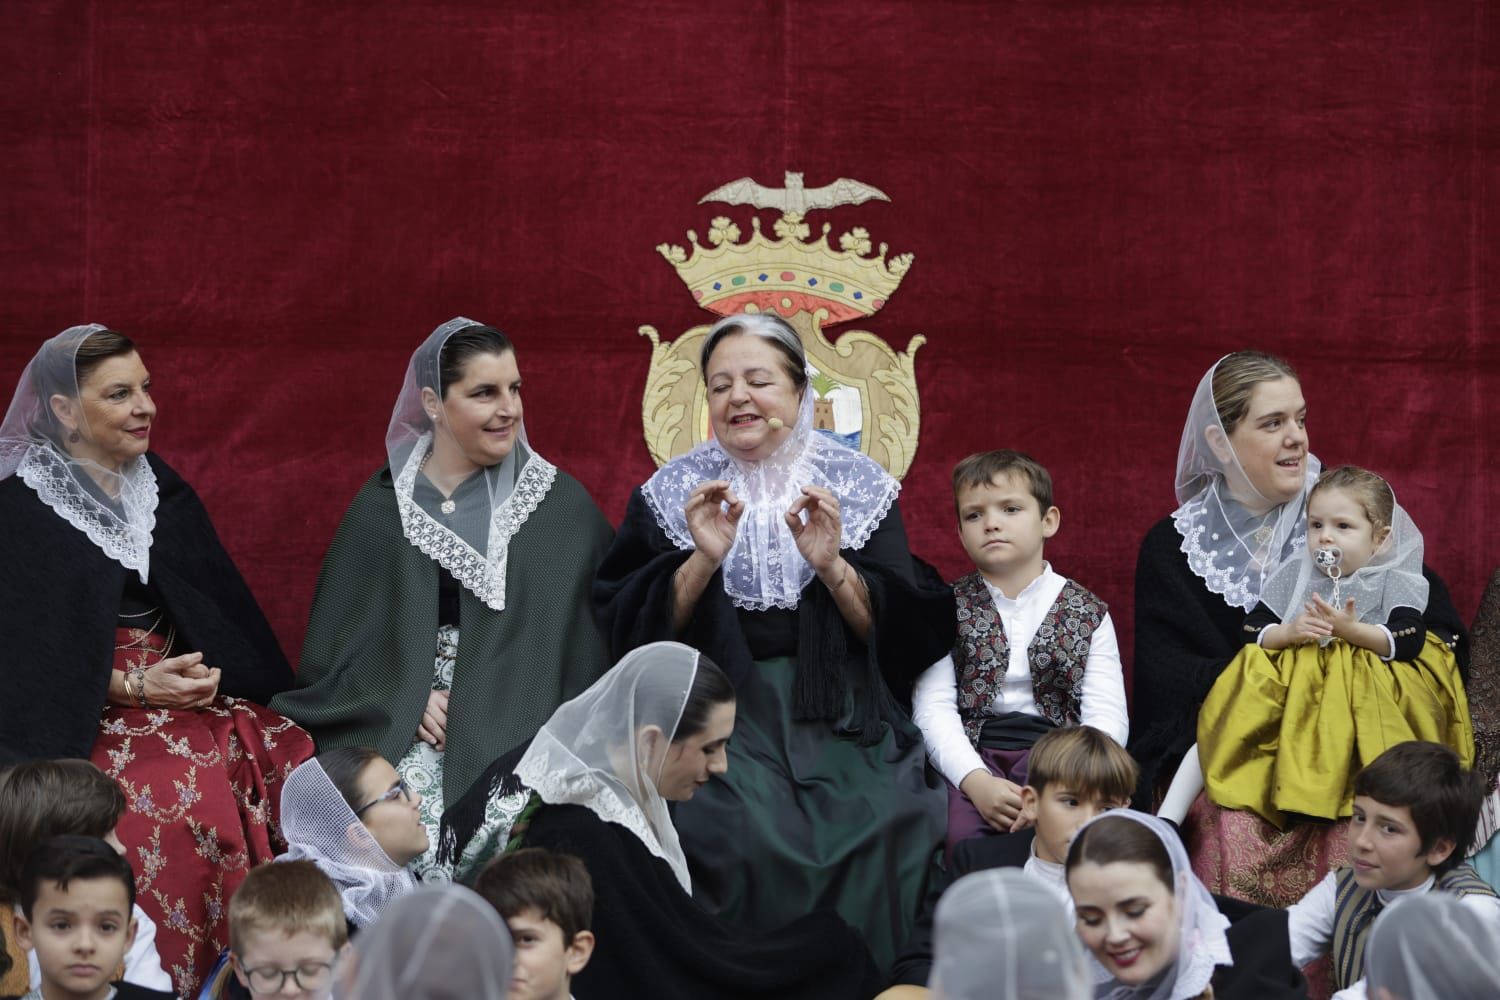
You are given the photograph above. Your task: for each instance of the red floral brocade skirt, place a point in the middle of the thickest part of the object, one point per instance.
(202, 798)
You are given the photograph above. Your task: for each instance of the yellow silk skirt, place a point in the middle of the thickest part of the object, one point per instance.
(1285, 731)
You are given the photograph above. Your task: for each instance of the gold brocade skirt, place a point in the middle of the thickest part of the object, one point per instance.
(1285, 731)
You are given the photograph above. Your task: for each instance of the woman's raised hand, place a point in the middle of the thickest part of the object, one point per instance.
(181, 682)
(819, 537)
(713, 517)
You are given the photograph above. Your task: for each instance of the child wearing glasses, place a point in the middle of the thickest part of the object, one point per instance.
(348, 812)
(287, 935)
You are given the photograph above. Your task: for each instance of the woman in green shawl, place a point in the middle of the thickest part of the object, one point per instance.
(470, 536)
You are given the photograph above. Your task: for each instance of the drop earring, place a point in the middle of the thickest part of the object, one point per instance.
(74, 437)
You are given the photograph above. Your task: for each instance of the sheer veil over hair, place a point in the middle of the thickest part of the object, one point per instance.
(320, 827)
(1000, 934)
(593, 753)
(1391, 579)
(437, 943)
(1231, 548)
(764, 568)
(1202, 945)
(469, 536)
(1432, 945)
(115, 508)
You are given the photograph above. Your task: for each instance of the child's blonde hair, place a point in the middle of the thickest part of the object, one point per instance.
(287, 896)
(1084, 760)
(1373, 494)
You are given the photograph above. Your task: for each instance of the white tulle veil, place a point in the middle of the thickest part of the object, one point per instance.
(589, 754)
(436, 943)
(115, 508)
(1001, 934)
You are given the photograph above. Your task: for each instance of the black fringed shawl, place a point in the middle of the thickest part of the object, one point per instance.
(60, 602)
(913, 622)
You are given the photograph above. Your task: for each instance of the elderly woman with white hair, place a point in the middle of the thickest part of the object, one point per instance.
(780, 552)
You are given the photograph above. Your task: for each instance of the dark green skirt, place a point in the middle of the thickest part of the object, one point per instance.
(806, 820)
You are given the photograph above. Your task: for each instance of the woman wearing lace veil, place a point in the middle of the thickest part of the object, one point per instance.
(133, 640)
(1243, 472)
(438, 943)
(780, 553)
(1002, 934)
(1153, 930)
(469, 536)
(596, 782)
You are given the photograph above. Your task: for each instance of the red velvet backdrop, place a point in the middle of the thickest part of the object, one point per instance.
(280, 200)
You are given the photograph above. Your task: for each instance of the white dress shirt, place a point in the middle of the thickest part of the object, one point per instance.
(1310, 921)
(935, 699)
(1053, 876)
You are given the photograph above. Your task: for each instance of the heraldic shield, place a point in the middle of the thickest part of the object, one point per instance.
(866, 392)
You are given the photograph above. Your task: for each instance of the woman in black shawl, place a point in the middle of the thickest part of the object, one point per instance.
(780, 553)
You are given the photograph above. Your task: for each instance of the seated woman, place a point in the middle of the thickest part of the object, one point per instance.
(1243, 473)
(1002, 934)
(348, 812)
(780, 553)
(437, 943)
(597, 779)
(134, 641)
(1154, 930)
(452, 613)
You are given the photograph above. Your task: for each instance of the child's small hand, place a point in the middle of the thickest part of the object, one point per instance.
(1338, 621)
(1310, 625)
(998, 800)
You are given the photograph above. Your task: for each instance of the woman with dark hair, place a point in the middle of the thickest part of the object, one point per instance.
(469, 536)
(133, 640)
(1155, 932)
(1243, 475)
(780, 552)
(596, 783)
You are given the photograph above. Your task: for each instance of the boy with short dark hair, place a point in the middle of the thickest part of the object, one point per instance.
(77, 894)
(547, 900)
(42, 799)
(1035, 651)
(286, 927)
(1415, 810)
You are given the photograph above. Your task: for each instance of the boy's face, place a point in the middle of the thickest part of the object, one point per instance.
(1057, 812)
(1002, 526)
(544, 965)
(1386, 849)
(267, 954)
(80, 935)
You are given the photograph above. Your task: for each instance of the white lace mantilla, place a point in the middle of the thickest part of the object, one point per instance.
(482, 575)
(553, 772)
(763, 568)
(1234, 559)
(125, 539)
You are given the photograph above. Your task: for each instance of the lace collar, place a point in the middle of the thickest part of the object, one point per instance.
(482, 574)
(122, 533)
(1233, 551)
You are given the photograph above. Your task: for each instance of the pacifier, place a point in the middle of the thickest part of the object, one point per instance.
(1330, 561)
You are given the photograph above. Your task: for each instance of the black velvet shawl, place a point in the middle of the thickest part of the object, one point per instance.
(60, 601)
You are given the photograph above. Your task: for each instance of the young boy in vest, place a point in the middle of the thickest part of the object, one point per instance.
(1415, 809)
(1075, 774)
(287, 934)
(547, 901)
(1034, 650)
(76, 899)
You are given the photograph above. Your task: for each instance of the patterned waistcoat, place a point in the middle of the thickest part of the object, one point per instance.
(1355, 909)
(1058, 653)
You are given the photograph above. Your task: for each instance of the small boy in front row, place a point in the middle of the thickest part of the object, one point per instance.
(1075, 774)
(76, 900)
(1415, 810)
(287, 934)
(1034, 650)
(547, 900)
